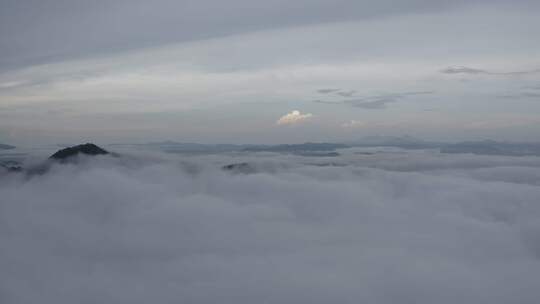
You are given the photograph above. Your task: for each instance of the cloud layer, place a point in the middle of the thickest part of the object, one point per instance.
(393, 227)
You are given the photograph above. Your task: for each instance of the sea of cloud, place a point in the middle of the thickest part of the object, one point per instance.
(394, 226)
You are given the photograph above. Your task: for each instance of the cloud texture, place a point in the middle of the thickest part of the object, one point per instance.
(394, 227)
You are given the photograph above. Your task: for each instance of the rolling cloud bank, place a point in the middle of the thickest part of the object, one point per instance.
(381, 225)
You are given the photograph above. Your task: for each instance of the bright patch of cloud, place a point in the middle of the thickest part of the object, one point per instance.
(293, 118)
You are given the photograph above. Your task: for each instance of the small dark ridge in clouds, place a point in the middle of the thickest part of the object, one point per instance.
(244, 168)
(375, 101)
(473, 71)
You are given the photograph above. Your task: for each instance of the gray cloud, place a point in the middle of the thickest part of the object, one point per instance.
(339, 92)
(517, 73)
(327, 91)
(384, 228)
(532, 87)
(463, 70)
(473, 71)
(346, 93)
(521, 95)
(532, 91)
(376, 101)
(327, 102)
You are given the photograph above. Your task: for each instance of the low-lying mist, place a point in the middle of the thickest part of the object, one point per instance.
(388, 227)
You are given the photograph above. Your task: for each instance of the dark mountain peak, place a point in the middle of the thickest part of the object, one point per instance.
(86, 149)
(245, 168)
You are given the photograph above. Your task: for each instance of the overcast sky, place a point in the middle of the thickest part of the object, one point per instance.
(268, 71)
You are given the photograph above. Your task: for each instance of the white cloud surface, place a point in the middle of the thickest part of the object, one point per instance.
(394, 227)
(293, 117)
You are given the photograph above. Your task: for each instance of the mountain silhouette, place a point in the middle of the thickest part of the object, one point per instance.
(85, 149)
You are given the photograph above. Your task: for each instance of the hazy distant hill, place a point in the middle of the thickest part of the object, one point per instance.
(300, 148)
(304, 148)
(490, 147)
(406, 142)
(487, 147)
(171, 146)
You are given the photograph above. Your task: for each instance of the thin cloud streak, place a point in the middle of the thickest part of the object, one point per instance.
(327, 91)
(375, 101)
(474, 71)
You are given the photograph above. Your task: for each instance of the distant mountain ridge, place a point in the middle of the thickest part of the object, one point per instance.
(491, 147)
(406, 142)
(481, 147)
(303, 148)
(328, 149)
